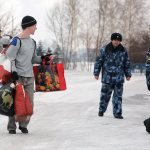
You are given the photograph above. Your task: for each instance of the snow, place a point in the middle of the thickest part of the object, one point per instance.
(68, 120)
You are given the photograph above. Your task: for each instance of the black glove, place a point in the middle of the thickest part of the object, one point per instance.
(15, 76)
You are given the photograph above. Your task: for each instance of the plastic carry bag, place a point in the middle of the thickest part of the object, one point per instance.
(49, 77)
(23, 106)
(7, 92)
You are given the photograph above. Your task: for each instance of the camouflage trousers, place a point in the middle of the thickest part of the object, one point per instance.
(106, 92)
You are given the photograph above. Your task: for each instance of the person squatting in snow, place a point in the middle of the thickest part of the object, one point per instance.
(114, 62)
(22, 55)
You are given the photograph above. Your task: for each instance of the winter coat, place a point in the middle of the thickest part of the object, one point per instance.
(114, 63)
(148, 69)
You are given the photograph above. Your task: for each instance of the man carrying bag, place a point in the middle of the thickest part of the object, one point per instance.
(22, 59)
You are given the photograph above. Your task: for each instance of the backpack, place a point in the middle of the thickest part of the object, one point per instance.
(6, 99)
(6, 47)
(5, 64)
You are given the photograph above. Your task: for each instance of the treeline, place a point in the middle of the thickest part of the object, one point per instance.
(7, 20)
(81, 27)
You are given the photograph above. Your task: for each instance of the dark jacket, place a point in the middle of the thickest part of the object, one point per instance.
(148, 69)
(114, 62)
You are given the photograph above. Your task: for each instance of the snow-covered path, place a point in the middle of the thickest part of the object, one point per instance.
(68, 120)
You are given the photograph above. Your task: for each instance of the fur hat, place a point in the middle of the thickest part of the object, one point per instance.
(116, 36)
(28, 21)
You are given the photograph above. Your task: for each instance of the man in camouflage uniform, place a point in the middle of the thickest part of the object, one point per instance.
(148, 69)
(115, 64)
(147, 121)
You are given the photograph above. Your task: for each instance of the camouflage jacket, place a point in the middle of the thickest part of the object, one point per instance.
(148, 69)
(114, 63)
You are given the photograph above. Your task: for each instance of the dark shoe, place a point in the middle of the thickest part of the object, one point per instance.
(12, 131)
(119, 116)
(147, 124)
(23, 130)
(101, 114)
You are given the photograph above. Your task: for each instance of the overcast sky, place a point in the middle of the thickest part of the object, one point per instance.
(35, 8)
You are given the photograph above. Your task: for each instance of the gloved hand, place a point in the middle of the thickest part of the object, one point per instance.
(15, 76)
(46, 59)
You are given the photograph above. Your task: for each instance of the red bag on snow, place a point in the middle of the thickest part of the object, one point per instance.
(49, 77)
(23, 106)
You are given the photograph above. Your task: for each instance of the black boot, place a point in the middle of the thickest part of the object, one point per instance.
(23, 130)
(100, 114)
(147, 124)
(12, 131)
(119, 116)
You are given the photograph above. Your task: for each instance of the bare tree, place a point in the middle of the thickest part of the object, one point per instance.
(139, 47)
(87, 25)
(106, 16)
(71, 8)
(63, 22)
(7, 23)
(132, 17)
(86, 30)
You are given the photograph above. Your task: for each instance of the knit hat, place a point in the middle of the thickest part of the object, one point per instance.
(116, 36)
(28, 21)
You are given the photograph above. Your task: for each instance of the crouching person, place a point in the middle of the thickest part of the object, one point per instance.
(114, 62)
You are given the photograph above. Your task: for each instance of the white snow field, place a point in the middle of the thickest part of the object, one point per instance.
(68, 120)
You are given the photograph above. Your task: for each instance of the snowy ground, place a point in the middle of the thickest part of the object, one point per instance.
(68, 120)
